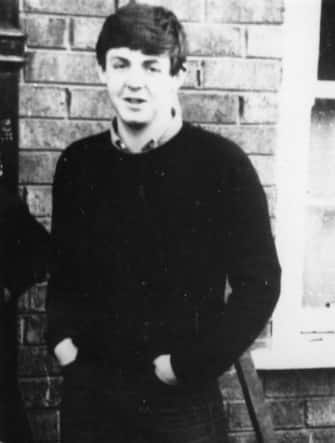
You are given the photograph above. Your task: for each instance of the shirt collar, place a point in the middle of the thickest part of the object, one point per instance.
(155, 142)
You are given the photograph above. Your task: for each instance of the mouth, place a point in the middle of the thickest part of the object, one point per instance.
(134, 101)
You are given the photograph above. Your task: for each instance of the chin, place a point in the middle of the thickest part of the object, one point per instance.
(133, 124)
(136, 121)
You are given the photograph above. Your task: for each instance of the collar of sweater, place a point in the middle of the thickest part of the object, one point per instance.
(157, 140)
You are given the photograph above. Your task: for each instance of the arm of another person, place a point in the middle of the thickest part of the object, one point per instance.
(24, 252)
(254, 275)
(26, 245)
(2, 369)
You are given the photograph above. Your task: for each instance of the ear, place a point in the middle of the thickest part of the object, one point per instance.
(179, 78)
(101, 73)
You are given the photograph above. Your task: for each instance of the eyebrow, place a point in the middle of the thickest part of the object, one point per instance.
(126, 60)
(150, 61)
(118, 58)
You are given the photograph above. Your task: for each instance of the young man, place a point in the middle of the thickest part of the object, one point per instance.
(24, 250)
(150, 220)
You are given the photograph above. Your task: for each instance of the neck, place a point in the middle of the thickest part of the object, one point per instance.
(136, 137)
(133, 136)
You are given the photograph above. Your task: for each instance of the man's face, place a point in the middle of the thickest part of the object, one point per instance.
(140, 86)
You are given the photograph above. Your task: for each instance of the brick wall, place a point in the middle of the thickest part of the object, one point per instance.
(232, 87)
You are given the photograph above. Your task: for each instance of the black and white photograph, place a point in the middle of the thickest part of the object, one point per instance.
(167, 221)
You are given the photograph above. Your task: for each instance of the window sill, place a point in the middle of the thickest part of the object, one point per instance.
(299, 353)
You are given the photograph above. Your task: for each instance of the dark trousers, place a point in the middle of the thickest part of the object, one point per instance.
(102, 406)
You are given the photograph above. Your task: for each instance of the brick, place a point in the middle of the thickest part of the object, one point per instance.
(264, 165)
(38, 199)
(265, 41)
(214, 39)
(299, 383)
(205, 108)
(61, 67)
(55, 134)
(187, 10)
(78, 7)
(321, 412)
(36, 361)
(90, 103)
(242, 74)
(41, 392)
(242, 438)
(288, 413)
(285, 414)
(252, 139)
(302, 436)
(230, 386)
(34, 299)
(37, 167)
(245, 11)
(20, 330)
(37, 295)
(194, 74)
(259, 108)
(37, 101)
(24, 302)
(34, 329)
(191, 74)
(85, 32)
(238, 417)
(323, 436)
(45, 425)
(46, 32)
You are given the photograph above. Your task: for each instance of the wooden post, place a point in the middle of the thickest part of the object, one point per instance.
(252, 388)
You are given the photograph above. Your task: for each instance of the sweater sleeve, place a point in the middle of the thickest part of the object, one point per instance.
(254, 276)
(24, 252)
(68, 276)
(25, 245)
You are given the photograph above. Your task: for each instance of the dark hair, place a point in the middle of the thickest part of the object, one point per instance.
(152, 29)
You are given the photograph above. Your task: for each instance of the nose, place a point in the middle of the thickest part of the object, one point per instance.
(135, 79)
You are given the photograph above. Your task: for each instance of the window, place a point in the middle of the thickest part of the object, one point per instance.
(304, 322)
(319, 244)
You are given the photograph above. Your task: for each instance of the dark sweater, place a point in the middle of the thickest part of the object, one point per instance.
(144, 244)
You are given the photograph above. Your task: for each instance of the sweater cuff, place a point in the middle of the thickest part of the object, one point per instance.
(54, 338)
(186, 368)
(179, 373)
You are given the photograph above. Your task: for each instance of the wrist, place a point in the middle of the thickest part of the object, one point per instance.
(66, 352)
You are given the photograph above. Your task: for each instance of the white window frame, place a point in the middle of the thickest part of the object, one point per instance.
(290, 348)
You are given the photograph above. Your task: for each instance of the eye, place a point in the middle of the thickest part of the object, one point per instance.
(153, 68)
(118, 65)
